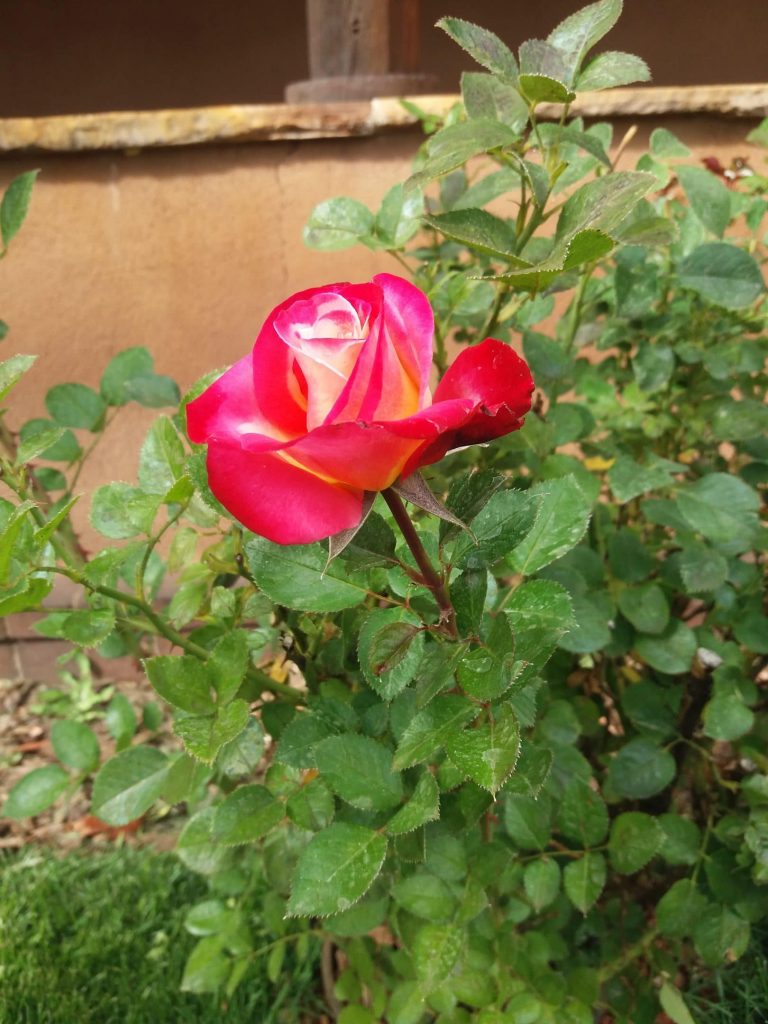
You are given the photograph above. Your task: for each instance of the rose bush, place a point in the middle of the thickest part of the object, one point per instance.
(334, 400)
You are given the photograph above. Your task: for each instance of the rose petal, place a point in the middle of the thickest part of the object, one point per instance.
(492, 374)
(227, 408)
(391, 377)
(410, 325)
(278, 500)
(496, 382)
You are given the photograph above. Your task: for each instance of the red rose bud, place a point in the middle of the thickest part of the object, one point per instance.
(334, 401)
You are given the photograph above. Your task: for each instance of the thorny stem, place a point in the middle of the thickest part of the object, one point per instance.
(63, 540)
(435, 583)
(255, 676)
(493, 316)
(73, 482)
(631, 953)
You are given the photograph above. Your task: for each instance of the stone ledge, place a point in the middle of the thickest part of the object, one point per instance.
(136, 130)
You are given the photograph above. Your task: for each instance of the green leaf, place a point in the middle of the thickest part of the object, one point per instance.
(422, 807)
(759, 135)
(723, 274)
(75, 745)
(487, 96)
(390, 648)
(153, 392)
(555, 134)
(209, 918)
(671, 652)
(722, 508)
(196, 847)
(702, 568)
(653, 366)
(635, 838)
(312, 806)
(540, 612)
(482, 45)
(646, 607)
(245, 815)
(85, 627)
(128, 784)
(577, 34)
(527, 821)
(12, 534)
(468, 594)
(426, 896)
(399, 218)
(35, 792)
(709, 198)
(120, 720)
(486, 670)
(727, 718)
(242, 754)
(681, 839)
(478, 230)
(487, 754)
(38, 443)
(680, 908)
(541, 881)
(720, 936)
(583, 816)
(299, 576)
(12, 370)
(162, 458)
(228, 664)
(503, 523)
(358, 769)
(183, 681)
(430, 727)
(335, 870)
(666, 146)
(15, 204)
(120, 511)
(338, 224)
(739, 420)
(673, 1004)
(561, 522)
(126, 366)
(641, 769)
(434, 951)
(453, 146)
(204, 735)
(34, 432)
(611, 69)
(603, 203)
(584, 880)
(75, 405)
(207, 968)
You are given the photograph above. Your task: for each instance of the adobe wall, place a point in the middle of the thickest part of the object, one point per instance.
(186, 250)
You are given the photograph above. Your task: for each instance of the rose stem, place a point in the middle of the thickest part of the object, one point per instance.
(431, 578)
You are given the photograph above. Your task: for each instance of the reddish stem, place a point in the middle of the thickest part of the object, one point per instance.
(431, 578)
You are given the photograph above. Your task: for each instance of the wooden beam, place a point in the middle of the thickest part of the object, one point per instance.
(359, 49)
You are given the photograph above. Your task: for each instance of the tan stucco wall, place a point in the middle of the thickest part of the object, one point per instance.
(186, 251)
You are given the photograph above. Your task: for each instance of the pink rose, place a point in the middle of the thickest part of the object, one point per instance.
(334, 401)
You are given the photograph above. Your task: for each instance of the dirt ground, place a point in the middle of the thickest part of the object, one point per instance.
(26, 718)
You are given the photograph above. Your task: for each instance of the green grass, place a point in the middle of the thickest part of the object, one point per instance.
(99, 939)
(737, 994)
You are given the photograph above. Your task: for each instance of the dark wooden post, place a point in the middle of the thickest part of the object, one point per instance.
(359, 49)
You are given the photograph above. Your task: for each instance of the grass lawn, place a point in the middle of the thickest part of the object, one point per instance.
(99, 939)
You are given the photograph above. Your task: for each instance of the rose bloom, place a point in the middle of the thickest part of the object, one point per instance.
(334, 401)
